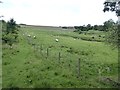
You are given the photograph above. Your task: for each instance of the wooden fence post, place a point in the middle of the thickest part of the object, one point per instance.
(99, 74)
(41, 49)
(34, 47)
(59, 57)
(47, 53)
(78, 67)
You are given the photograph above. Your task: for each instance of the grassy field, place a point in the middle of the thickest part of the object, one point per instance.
(45, 63)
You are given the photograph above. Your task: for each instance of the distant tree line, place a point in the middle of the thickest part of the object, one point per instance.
(110, 27)
(105, 27)
(65, 27)
(9, 32)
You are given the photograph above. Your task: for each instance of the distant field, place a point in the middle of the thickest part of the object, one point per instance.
(44, 63)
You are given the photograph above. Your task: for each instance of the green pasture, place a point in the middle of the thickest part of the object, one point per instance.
(44, 63)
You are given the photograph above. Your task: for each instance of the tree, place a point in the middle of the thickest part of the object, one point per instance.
(101, 28)
(112, 36)
(108, 24)
(114, 32)
(9, 32)
(12, 26)
(89, 27)
(113, 6)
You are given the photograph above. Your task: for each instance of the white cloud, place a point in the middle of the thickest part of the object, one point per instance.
(56, 12)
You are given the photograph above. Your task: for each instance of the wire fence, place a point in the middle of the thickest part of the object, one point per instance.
(78, 66)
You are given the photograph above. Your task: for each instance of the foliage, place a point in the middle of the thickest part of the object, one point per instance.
(98, 27)
(83, 28)
(9, 32)
(64, 27)
(114, 33)
(108, 24)
(109, 27)
(112, 6)
(112, 36)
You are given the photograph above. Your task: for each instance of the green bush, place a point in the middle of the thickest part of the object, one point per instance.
(9, 32)
(112, 36)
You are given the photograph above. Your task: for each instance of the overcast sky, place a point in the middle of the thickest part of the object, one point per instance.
(56, 12)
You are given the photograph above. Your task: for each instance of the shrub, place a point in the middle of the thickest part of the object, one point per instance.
(9, 32)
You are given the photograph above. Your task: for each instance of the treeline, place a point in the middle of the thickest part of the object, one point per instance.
(105, 27)
(9, 32)
(110, 27)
